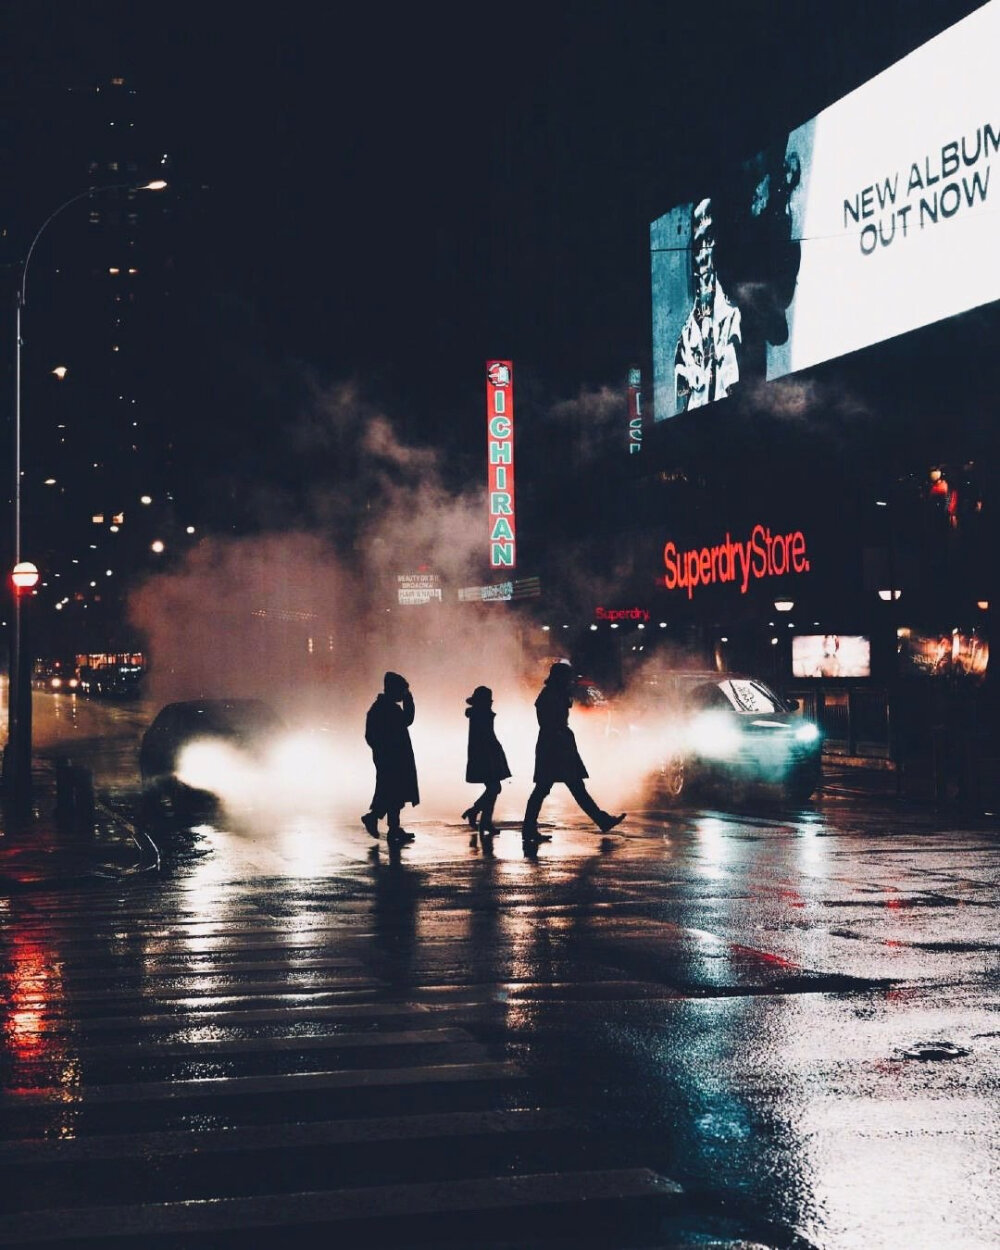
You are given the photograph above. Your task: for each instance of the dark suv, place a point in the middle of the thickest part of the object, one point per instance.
(730, 730)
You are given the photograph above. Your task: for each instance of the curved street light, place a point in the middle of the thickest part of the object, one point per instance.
(17, 754)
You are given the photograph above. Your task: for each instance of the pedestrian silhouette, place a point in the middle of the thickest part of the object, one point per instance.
(387, 732)
(486, 762)
(557, 757)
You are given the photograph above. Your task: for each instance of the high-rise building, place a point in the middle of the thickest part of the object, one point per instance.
(97, 447)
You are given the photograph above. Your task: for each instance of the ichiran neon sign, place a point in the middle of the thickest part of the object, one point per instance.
(762, 555)
(500, 461)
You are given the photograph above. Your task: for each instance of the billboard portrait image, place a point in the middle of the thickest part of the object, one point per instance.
(831, 655)
(876, 217)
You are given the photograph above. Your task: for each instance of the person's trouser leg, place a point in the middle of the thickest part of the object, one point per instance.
(392, 815)
(535, 800)
(486, 802)
(583, 796)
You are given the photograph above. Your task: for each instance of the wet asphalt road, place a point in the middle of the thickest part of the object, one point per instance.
(770, 1027)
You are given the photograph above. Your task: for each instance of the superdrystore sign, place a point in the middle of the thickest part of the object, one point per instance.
(500, 461)
(762, 553)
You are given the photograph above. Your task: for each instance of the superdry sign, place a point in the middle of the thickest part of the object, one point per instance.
(500, 461)
(761, 554)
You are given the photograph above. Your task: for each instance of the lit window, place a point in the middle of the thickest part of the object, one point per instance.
(114, 270)
(98, 518)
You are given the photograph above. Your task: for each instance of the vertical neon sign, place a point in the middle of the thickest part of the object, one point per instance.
(634, 387)
(500, 461)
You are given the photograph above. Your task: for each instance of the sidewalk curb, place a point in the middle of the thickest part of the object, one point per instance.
(58, 846)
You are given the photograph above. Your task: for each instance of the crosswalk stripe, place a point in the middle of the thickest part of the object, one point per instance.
(287, 1136)
(181, 966)
(240, 1086)
(204, 1016)
(216, 987)
(377, 1201)
(221, 1047)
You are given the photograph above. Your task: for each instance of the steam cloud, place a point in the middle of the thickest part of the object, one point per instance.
(307, 618)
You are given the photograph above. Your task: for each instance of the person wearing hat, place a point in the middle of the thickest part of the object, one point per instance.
(557, 758)
(486, 761)
(387, 732)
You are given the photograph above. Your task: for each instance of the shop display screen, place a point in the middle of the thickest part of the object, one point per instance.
(831, 655)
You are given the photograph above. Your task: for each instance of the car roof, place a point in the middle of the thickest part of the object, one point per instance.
(692, 677)
(217, 711)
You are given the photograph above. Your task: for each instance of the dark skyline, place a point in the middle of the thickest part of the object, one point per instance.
(394, 196)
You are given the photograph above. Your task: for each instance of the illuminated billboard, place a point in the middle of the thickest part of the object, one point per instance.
(831, 655)
(953, 654)
(876, 217)
(418, 588)
(500, 461)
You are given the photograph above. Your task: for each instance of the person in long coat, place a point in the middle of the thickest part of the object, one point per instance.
(557, 757)
(387, 732)
(486, 762)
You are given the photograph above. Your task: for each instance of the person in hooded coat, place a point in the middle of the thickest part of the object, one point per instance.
(387, 732)
(486, 761)
(557, 757)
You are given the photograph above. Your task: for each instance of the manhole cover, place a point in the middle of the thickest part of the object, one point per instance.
(935, 1050)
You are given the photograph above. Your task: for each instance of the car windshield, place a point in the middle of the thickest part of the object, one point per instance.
(750, 696)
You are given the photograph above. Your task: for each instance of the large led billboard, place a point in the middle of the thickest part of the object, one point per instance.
(876, 217)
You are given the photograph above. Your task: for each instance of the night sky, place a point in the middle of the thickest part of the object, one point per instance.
(392, 194)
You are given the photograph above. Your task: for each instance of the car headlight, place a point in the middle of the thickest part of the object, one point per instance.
(807, 732)
(713, 735)
(216, 766)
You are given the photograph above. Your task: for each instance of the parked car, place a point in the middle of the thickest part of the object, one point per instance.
(180, 766)
(731, 731)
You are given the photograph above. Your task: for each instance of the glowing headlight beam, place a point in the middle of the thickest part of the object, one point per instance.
(713, 735)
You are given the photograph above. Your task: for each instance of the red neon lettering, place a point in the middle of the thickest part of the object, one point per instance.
(798, 548)
(670, 562)
(758, 552)
(763, 554)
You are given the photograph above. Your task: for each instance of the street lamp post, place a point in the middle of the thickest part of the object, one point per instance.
(17, 755)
